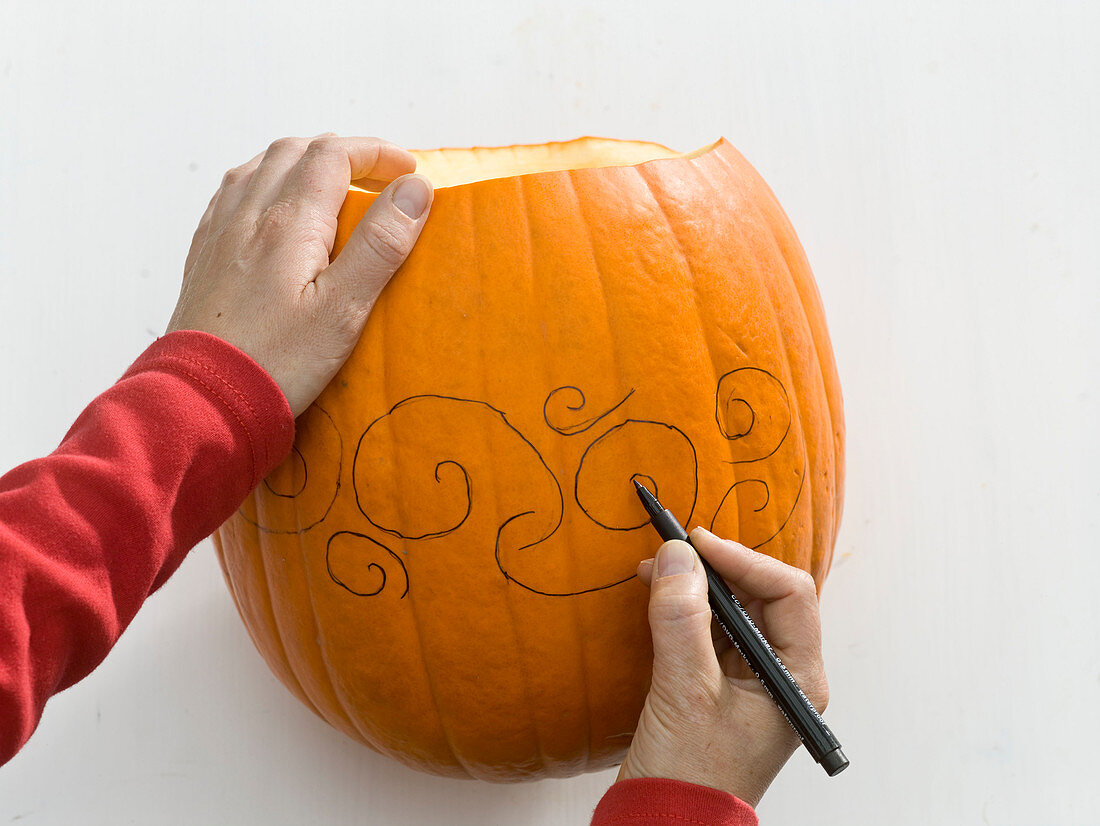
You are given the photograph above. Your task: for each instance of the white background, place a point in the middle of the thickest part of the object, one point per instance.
(939, 161)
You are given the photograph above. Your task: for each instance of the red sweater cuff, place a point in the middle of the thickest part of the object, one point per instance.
(253, 398)
(149, 467)
(657, 801)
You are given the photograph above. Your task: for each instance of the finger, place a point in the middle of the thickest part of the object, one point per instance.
(218, 204)
(320, 178)
(680, 621)
(756, 574)
(749, 603)
(371, 184)
(234, 184)
(270, 176)
(378, 246)
(781, 598)
(201, 232)
(718, 637)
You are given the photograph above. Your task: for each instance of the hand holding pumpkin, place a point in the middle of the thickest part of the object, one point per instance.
(707, 719)
(258, 272)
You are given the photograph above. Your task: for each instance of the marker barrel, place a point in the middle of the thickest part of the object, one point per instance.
(773, 675)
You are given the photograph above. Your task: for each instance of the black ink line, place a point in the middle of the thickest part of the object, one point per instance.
(767, 495)
(305, 465)
(457, 464)
(465, 475)
(579, 427)
(790, 513)
(510, 578)
(349, 589)
(644, 520)
(718, 406)
(301, 487)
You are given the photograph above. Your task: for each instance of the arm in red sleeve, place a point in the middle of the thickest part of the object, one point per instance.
(654, 801)
(150, 468)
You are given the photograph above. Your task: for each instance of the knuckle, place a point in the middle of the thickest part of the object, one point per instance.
(285, 146)
(667, 607)
(234, 176)
(322, 155)
(325, 146)
(276, 219)
(387, 242)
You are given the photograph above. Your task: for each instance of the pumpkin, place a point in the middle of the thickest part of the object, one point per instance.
(444, 567)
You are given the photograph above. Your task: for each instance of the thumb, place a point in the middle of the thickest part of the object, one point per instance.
(381, 242)
(680, 618)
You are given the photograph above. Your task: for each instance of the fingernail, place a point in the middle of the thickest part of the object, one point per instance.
(411, 196)
(675, 558)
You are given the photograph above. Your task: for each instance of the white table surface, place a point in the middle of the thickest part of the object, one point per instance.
(939, 161)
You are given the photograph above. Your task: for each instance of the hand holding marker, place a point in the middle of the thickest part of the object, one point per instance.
(760, 656)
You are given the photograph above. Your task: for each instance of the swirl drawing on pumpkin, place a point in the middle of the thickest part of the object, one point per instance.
(668, 454)
(439, 498)
(746, 538)
(575, 427)
(344, 561)
(453, 475)
(667, 450)
(300, 498)
(760, 437)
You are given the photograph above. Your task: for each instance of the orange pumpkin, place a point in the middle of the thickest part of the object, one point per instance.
(444, 568)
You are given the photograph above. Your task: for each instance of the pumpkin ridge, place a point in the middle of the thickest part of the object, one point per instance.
(510, 594)
(796, 408)
(612, 329)
(467, 204)
(709, 182)
(591, 243)
(616, 346)
(514, 625)
(829, 446)
(320, 637)
(702, 330)
(432, 689)
(296, 689)
(817, 325)
(268, 606)
(812, 315)
(755, 182)
(578, 625)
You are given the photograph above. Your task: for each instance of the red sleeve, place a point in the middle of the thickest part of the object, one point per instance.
(150, 468)
(653, 801)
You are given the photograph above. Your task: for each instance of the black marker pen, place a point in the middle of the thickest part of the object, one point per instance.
(760, 656)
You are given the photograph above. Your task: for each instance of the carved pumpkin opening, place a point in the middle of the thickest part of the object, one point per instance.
(454, 167)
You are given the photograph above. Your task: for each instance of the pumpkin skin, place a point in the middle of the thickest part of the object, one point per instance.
(444, 568)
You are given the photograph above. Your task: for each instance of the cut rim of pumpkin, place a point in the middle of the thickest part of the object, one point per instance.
(454, 167)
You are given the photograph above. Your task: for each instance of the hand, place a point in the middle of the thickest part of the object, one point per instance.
(707, 720)
(258, 273)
